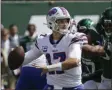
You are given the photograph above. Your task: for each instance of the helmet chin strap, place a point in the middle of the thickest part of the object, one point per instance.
(64, 31)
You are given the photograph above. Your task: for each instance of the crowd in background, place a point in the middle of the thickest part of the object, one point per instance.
(9, 40)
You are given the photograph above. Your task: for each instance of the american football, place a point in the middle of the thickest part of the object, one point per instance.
(16, 58)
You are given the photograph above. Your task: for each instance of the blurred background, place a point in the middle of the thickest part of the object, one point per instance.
(24, 20)
(23, 12)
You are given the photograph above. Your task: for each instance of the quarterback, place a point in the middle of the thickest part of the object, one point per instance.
(63, 49)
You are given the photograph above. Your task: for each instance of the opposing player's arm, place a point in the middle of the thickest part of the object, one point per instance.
(93, 49)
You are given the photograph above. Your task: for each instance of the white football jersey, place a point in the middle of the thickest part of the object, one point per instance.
(41, 60)
(57, 52)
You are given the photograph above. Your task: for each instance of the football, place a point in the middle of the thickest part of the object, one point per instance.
(16, 58)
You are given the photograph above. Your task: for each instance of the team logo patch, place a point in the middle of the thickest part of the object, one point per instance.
(44, 48)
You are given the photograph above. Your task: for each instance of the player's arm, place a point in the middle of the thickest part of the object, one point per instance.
(32, 54)
(74, 57)
(93, 49)
(74, 52)
(17, 57)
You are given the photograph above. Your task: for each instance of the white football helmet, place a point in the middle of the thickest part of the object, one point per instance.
(57, 13)
(73, 27)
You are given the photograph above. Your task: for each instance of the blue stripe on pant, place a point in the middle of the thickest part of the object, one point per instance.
(51, 87)
(30, 79)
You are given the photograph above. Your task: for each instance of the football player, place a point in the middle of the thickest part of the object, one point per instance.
(104, 27)
(91, 64)
(63, 52)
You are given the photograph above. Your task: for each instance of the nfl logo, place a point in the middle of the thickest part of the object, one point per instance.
(44, 48)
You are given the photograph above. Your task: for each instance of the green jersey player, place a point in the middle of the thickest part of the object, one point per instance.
(91, 64)
(104, 27)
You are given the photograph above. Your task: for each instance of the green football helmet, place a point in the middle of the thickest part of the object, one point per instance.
(106, 21)
(85, 25)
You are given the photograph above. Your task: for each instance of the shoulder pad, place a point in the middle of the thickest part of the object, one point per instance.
(79, 38)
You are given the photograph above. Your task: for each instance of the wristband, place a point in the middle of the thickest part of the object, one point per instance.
(55, 67)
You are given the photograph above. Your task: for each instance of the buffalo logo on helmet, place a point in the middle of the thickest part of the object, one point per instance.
(52, 11)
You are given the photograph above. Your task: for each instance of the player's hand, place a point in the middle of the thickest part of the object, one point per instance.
(44, 68)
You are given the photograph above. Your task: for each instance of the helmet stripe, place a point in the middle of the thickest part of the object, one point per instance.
(63, 10)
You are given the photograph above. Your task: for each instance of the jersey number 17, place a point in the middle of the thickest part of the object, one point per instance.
(60, 55)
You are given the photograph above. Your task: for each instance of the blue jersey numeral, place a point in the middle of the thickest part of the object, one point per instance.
(59, 55)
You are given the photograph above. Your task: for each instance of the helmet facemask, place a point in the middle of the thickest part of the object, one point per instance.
(106, 21)
(107, 26)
